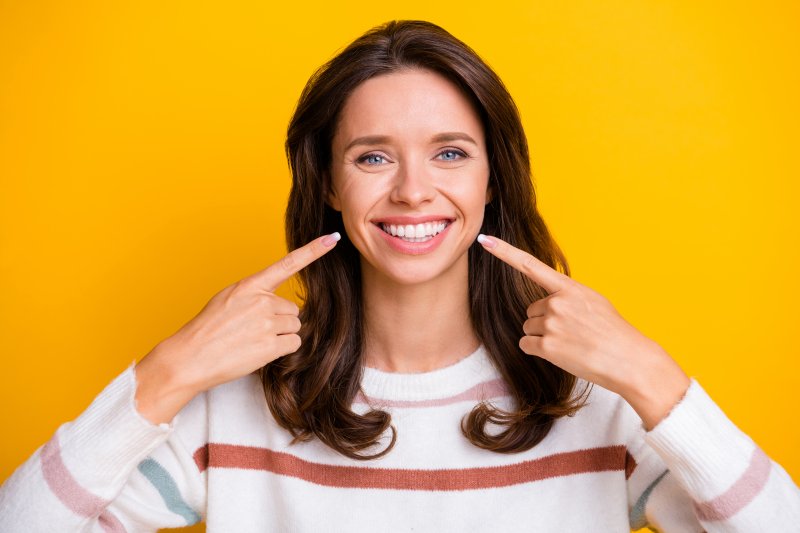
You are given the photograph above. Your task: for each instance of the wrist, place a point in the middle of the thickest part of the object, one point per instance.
(160, 390)
(658, 385)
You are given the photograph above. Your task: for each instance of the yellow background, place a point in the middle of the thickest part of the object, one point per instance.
(142, 168)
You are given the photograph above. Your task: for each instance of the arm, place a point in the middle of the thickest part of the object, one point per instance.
(695, 470)
(731, 484)
(110, 469)
(122, 466)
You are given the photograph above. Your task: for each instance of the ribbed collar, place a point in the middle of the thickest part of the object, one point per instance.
(440, 383)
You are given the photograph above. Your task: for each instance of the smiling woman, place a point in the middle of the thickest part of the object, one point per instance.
(366, 145)
(444, 373)
(412, 175)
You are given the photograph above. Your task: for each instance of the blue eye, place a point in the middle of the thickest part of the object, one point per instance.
(451, 151)
(371, 159)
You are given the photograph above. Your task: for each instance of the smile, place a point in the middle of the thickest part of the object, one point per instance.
(415, 233)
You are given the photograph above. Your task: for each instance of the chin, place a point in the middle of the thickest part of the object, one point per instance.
(411, 276)
(413, 271)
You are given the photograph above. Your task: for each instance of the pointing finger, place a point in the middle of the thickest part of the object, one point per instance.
(550, 279)
(275, 274)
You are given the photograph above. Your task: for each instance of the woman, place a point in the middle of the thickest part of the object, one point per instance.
(424, 383)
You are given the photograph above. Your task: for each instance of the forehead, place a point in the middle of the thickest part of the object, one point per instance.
(408, 103)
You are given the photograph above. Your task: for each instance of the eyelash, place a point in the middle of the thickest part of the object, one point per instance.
(455, 151)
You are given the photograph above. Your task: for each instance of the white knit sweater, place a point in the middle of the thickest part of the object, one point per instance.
(225, 461)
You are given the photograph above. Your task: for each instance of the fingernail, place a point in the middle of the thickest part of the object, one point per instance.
(328, 240)
(488, 242)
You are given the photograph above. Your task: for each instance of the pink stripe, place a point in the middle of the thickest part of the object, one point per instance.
(111, 523)
(72, 495)
(482, 391)
(741, 493)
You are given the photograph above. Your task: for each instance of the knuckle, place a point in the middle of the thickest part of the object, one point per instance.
(555, 305)
(287, 262)
(529, 345)
(296, 324)
(236, 288)
(242, 288)
(523, 344)
(296, 341)
(273, 299)
(232, 293)
(547, 343)
(529, 265)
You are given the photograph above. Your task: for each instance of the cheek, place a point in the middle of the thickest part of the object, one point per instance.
(355, 201)
(472, 195)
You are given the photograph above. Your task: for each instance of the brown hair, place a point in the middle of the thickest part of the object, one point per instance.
(310, 391)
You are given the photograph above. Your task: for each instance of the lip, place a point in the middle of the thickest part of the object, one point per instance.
(411, 220)
(414, 248)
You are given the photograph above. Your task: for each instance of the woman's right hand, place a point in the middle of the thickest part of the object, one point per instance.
(242, 328)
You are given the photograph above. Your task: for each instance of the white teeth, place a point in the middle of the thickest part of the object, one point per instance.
(415, 233)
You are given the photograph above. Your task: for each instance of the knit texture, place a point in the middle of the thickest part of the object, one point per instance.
(224, 460)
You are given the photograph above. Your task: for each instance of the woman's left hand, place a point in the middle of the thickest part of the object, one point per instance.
(577, 329)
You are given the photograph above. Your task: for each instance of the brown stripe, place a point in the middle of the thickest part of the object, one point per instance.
(200, 457)
(630, 464)
(559, 464)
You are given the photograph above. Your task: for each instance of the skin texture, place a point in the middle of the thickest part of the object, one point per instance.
(417, 312)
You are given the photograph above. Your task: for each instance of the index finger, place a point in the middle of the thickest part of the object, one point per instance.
(275, 274)
(550, 279)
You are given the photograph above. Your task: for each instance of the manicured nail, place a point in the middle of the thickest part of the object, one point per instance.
(332, 238)
(488, 242)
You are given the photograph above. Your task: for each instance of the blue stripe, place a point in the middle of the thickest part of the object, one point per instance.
(637, 517)
(168, 489)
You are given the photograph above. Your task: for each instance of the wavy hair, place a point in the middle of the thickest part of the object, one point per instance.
(310, 391)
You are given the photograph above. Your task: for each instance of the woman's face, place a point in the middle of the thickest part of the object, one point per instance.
(409, 149)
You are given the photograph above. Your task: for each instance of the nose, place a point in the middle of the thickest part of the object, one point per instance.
(413, 184)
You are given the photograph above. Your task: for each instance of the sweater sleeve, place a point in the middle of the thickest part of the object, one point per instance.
(111, 470)
(697, 471)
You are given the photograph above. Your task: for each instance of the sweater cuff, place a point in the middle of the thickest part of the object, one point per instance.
(111, 433)
(700, 445)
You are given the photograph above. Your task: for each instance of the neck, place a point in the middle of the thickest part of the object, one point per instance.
(420, 327)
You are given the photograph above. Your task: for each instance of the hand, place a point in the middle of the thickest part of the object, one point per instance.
(242, 328)
(578, 330)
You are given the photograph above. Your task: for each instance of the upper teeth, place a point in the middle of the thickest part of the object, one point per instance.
(416, 231)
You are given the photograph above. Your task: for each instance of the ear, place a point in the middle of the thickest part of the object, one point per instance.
(489, 193)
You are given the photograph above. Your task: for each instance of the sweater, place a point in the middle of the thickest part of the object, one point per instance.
(224, 460)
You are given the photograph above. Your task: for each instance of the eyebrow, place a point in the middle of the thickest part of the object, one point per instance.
(371, 140)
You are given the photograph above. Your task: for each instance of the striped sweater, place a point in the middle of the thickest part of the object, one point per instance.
(225, 461)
